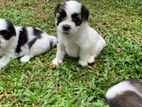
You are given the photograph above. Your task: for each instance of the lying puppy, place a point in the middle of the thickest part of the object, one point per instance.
(76, 37)
(127, 93)
(24, 42)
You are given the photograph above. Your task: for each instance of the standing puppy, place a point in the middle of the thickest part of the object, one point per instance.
(24, 42)
(76, 37)
(127, 93)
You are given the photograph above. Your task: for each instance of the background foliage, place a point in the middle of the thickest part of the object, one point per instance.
(35, 84)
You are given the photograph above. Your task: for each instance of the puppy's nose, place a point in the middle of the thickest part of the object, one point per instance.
(66, 27)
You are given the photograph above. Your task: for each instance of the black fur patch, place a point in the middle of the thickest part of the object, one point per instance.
(9, 32)
(60, 10)
(23, 38)
(52, 45)
(127, 99)
(77, 19)
(137, 83)
(32, 42)
(84, 13)
(37, 32)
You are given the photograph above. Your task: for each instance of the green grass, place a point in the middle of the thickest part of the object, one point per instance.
(35, 84)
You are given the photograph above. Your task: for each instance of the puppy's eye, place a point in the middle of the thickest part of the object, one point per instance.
(61, 18)
(75, 19)
(62, 14)
(5, 33)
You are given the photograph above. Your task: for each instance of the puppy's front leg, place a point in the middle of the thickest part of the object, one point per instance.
(59, 55)
(4, 61)
(83, 57)
(25, 58)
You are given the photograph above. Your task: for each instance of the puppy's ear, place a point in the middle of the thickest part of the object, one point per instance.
(56, 9)
(59, 7)
(11, 28)
(10, 31)
(84, 13)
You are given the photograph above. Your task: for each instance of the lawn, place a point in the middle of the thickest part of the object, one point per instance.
(34, 84)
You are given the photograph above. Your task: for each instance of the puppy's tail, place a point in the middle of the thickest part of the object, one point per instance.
(50, 38)
(127, 93)
(53, 42)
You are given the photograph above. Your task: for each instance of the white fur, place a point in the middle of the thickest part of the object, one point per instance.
(8, 51)
(82, 41)
(120, 88)
(72, 7)
(39, 47)
(2, 24)
(7, 47)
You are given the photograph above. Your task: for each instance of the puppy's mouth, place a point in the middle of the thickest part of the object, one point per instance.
(66, 32)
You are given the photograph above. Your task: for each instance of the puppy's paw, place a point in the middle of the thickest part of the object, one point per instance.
(4, 61)
(56, 61)
(2, 65)
(91, 60)
(25, 59)
(83, 63)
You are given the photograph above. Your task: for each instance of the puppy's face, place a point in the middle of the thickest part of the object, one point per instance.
(7, 31)
(70, 16)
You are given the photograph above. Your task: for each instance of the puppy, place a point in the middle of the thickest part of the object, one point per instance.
(24, 42)
(76, 37)
(127, 93)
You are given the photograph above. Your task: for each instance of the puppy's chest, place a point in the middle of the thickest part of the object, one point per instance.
(2, 51)
(71, 48)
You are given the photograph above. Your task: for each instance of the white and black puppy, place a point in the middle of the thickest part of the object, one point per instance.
(76, 37)
(127, 93)
(24, 42)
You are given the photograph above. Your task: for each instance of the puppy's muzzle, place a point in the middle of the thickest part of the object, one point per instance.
(66, 28)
